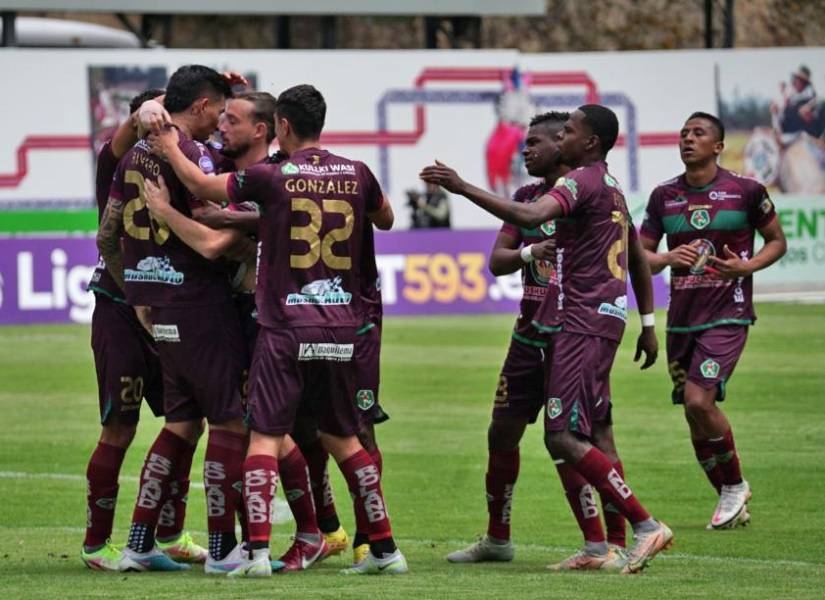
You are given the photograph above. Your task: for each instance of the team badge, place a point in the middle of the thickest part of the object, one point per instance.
(290, 169)
(709, 369)
(365, 399)
(570, 184)
(553, 407)
(548, 228)
(766, 206)
(700, 219)
(206, 165)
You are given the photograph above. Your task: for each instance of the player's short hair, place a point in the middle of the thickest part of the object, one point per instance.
(603, 123)
(190, 82)
(143, 97)
(714, 120)
(305, 109)
(263, 110)
(549, 118)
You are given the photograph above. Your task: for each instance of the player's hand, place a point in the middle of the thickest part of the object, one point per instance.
(157, 196)
(648, 344)
(152, 117)
(730, 267)
(234, 78)
(545, 250)
(441, 174)
(211, 216)
(161, 142)
(144, 315)
(684, 256)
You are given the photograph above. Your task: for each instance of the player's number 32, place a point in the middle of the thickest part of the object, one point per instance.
(321, 248)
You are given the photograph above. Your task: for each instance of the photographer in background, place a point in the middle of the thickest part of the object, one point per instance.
(430, 210)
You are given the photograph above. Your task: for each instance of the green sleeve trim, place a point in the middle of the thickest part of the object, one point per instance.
(97, 290)
(710, 325)
(544, 328)
(364, 328)
(525, 340)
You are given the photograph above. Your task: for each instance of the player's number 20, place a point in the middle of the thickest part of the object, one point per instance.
(321, 248)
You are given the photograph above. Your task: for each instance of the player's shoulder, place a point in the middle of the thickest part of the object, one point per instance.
(748, 185)
(526, 192)
(667, 184)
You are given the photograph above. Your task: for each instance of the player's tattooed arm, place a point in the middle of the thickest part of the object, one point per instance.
(108, 239)
(522, 214)
(732, 266)
(642, 282)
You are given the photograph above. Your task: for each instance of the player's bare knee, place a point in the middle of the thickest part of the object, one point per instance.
(699, 402)
(602, 438)
(188, 430)
(341, 448)
(118, 434)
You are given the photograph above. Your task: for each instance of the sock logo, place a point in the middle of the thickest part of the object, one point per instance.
(588, 502)
(167, 514)
(368, 480)
(213, 473)
(618, 484)
(507, 507)
(156, 469)
(259, 510)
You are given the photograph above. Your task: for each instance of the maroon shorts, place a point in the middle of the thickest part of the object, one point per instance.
(707, 358)
(577, 387)
(202, 352)
(368, 375)
(312, 366)
(126, 362)
(520, 391)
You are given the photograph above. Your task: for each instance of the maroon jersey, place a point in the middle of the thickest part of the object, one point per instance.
(370, 282)
(726, 211)
(591, 256)
(538, 276)
(311, 235)
(159, 269)
(102, 281)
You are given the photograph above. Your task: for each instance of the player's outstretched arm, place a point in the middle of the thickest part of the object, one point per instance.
(216, 218)
(164, 142)
(642, 282)
(108, 239)
(209, 243)
(518, 213)
(733, 266)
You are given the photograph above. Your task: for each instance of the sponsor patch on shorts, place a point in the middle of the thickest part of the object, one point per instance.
(326, 351)
(166, 333)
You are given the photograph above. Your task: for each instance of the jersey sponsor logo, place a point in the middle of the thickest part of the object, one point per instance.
(324, 292)
(714, 195)
(325, 351)
(543, 272)
(610, 181)
(677, 201)
(618, 309)
(290, 169)
(553, 407)
(700, 219)
(570, 184)
(206, 165)
(709, 369)
(705, 249)
(766, 206)
(699, 206)
(548, 228)
(165, 333)
(154, 269)
(365, 399)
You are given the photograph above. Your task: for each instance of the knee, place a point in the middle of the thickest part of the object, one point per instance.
(555, 445)
(504, 436)
(698, 403)
(117, 434)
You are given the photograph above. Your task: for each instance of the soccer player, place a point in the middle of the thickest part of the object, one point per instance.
(194, 324)
(128, 370)
(709, 216)
(587, 318)
(315, 207)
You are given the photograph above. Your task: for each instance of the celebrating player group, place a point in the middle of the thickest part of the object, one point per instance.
(237, 292)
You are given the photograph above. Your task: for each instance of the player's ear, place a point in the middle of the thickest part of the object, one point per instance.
(199, 105)
(718, 147)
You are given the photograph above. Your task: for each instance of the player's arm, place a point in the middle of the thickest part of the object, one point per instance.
(384, 217)
(508, 256)
(126, 134)
(216, 218)
(522, 214)
(681, 257)
(209, 243)
(108, 239)
(642, 282)
(733, 266)
(206, 187)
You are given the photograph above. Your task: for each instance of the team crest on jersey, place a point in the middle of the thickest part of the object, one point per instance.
(548, 228)
(570, 184)
(290, 169)
(709, 369)
(700, 219)
(705, 249)
(553, 407)
(206, 165)
(365, 399)
(766, 206)
(321, 292)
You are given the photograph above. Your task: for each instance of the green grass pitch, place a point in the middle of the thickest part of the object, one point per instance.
(438, 379)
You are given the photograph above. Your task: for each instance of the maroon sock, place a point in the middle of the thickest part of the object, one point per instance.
(101, 478)
(317, 458)
(260, 481)
(596, 468)
(500, 481)
(724, 449)
(364, 482)
(361, 527)
(298, 492)
(580, 497)
(173, 513)
(222, 474)
(159, 470)
(613, 519)
(704, 454)
(378, 459)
